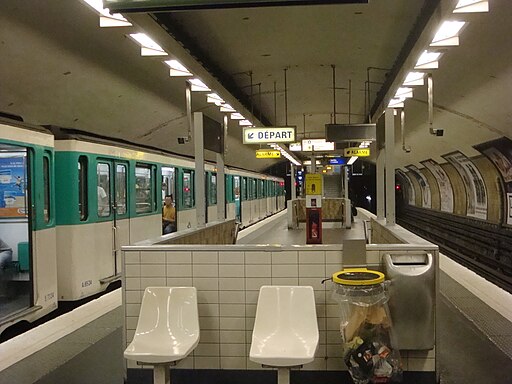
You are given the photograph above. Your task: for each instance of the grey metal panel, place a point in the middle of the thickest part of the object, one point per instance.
(350, 132)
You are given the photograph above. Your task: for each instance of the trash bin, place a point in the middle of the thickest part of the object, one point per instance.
(369, 347)
(412, 298)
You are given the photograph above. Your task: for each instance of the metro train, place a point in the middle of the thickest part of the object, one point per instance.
(61, 238)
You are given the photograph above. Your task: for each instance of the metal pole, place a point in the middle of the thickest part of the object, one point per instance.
(285, 99)
(259, 99)
(334, 91)
(275, 103)
(430, 95)
(252, 103)
(188, 101)
(349, 98)
(380, 181)
(199, 180)
(221, 185)
(292, 181)
(390, 166)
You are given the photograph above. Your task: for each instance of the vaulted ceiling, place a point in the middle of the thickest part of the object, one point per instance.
(59, 67)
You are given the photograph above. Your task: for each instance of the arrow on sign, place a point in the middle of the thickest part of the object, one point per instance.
(251, 135)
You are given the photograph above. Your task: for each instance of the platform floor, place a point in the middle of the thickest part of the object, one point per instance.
(474, 340)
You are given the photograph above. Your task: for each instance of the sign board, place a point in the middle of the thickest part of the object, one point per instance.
(270, 154)
(350, 132)
(317, 145)
(314, 201)
(338, 161)
(295, 147)
(269, 135)
(313, 184)
(356, 151)
(117, 6)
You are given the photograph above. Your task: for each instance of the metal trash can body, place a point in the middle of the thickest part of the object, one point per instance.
(412, 299)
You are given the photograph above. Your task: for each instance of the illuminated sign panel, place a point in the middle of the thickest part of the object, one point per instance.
(264, 154)
(313, 184)
(269, 135)
(356, 151)
(338, 161)
(295, 147)
(168, 5)
(317, 145)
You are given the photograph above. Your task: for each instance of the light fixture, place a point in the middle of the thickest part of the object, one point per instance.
(471, 6)
(396, 103)
(148, 47)
(414, 78)
(244, 123)
(237, 116)
(448, 34)
(107, 19)
(352, 160)
(428, 60)
(403, 93)
(227, 108)
(215, 99)
(177, 69)
(197, 85)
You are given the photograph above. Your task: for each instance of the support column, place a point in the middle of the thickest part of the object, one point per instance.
(199, 181)
(381, 204)
(292, 181)
(313, 164)
(221, 179)
(161, 374)
(390, 166)
(345, 182)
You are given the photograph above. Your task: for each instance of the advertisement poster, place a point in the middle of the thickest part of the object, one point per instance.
(499, 152)
(475, 187)
(426, 195)
(12, 186)
(445, 186)
(411, 193)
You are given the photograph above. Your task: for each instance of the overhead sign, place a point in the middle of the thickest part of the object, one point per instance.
(264, 154)
(170, 5)
(295, 147)
(313, 184)
(338, 161)
(269, 135)
(350, 132)
(356, 151)
(317, 145)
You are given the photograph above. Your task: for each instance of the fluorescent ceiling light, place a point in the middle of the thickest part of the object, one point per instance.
(414, 78)
(471, 6)
(403, 93)
(227, 108)
(177, 69)
(448, 34)
(107, 19)
(198, 86)
(237, 116)
(148, 47)
(352, 160)
(396, 103)
(215, 99)
(428, 60)
(244, 123)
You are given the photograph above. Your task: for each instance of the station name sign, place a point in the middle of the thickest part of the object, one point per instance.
(173, 5)
(356, 151)
(269, 135)
(264, 154)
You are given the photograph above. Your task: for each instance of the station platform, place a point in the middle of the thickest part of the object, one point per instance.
(474, 333)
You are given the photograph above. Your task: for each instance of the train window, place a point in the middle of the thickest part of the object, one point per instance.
(168, 186)
(143, 188)
(252, 183)
(188, 190)
(120, 188)
(212, 189)
(83, 208)
(244, 188)
(46, 186)
(103, 180)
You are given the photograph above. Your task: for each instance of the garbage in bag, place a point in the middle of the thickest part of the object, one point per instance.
(365, 326)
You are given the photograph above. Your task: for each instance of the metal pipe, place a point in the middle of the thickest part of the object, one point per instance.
(430, 95)
(259, 98)
(285, 99)
(188, 102)
(275, 102)
(334, 91)
(252, 103)
(349, 98)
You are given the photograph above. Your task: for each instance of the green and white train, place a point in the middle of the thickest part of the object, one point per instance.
(61, 237)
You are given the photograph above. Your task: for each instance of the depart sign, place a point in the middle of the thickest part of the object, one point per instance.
(269, 135)
(356, 151)
(270, 154)
(172, 5)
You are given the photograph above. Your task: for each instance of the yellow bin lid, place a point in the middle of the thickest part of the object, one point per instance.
(358, 276)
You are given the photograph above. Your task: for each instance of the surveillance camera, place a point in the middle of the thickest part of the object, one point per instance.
(182, 140)
(407, 149)
(437, 131)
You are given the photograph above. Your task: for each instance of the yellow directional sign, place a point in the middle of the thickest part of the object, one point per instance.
(264, 154)
(313, 184)
(356, 151)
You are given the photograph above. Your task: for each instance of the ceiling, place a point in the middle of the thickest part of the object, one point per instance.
(58, 67)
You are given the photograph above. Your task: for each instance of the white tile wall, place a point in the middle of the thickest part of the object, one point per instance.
(228, 284)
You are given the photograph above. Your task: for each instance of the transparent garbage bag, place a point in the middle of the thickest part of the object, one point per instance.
(365, 326)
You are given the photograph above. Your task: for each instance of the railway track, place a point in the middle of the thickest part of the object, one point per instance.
(483, 247)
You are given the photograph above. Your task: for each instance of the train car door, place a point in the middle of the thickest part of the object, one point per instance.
(121, 224)
(16, 272)
(236, 194)
(169, 187)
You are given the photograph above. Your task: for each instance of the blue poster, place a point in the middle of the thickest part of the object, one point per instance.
(12, 183)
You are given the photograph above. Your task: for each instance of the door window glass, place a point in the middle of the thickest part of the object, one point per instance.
(143, 188)
(103, 181)
(121, 189)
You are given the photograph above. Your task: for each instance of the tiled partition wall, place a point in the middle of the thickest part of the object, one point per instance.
(228, 279)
